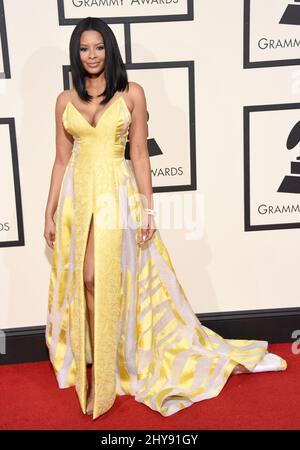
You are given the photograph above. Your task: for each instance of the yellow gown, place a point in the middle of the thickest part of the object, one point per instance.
(148, 341)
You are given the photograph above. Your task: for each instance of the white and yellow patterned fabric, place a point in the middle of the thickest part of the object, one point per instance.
(148, 341)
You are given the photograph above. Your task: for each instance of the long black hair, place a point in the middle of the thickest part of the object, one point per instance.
(114, 69)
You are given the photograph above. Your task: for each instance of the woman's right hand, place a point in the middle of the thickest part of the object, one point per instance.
(49, 232)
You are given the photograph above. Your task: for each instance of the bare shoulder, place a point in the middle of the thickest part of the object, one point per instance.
(62, 99)
(136, 93)
(136, 89)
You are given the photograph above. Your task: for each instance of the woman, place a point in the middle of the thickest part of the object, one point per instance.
(114, 299)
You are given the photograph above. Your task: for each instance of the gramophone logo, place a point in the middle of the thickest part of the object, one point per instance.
(153, 147)
(271, 176)
(291, 183)
(291, 15)
(271, 33)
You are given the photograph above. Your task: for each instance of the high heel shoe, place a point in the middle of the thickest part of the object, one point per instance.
(240, 369)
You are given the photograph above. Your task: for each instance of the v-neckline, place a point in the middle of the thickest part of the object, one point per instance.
(103, 113)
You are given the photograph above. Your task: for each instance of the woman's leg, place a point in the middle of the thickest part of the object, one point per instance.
(88, 276)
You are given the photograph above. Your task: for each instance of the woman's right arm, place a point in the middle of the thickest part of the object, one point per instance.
(64, 144)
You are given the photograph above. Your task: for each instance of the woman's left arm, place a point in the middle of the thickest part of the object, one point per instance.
(138, 132)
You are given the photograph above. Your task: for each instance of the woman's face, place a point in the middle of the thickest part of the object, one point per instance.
(92, 51)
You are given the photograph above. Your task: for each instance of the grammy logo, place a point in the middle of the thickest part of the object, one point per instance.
(292, 183)
(291, 15)
(153, 147)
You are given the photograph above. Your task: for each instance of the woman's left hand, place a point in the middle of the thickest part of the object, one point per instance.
(148, 229)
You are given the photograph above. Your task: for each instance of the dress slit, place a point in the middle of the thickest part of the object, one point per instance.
(88, 336)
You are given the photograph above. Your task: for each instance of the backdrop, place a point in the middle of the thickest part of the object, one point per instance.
(222, 83)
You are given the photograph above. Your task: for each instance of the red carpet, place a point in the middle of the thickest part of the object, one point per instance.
(30, 399)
